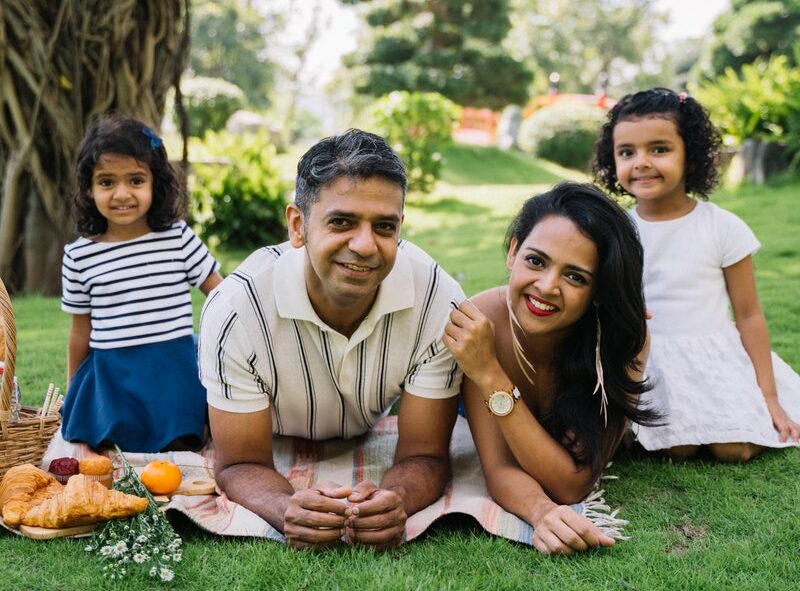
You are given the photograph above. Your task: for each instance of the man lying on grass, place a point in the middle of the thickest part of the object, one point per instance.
(317, 337)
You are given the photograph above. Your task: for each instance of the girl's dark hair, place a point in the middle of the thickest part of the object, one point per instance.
(701, 139)
(575, 414)
(125, 136)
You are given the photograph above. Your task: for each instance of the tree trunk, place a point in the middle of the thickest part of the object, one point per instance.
(763, 160)
(62, 64)
(41, 249)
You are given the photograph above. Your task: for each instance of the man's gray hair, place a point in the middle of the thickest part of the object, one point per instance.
(356, 154)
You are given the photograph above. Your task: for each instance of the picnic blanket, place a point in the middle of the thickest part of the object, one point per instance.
(348, 462)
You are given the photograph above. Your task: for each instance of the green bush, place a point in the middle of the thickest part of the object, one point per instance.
(418, 125)
(209, 102)
(761, 102)
(237, 195)
(563, 133)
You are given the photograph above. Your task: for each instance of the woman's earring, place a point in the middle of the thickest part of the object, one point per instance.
(598, 366)
(519, 352)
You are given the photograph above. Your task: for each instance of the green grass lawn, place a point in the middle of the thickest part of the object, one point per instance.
(696, 525)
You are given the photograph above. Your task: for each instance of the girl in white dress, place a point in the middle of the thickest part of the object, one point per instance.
(716, 383)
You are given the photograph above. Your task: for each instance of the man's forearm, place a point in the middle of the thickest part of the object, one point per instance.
(260, 489)
(419, 480)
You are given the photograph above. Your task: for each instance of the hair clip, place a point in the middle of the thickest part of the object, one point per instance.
(682, 97)
(155, 141)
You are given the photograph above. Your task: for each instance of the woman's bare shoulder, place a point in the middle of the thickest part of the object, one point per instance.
(491, 302)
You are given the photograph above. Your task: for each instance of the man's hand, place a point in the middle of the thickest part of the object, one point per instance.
(376, 517)
(562, 531)
(316, 517)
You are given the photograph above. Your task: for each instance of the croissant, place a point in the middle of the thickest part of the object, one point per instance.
(46, 492)
(22, 487)
(82, 502)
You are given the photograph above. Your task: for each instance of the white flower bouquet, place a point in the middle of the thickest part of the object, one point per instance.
(145, 541)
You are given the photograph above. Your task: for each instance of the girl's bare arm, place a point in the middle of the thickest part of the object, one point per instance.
(78, 343)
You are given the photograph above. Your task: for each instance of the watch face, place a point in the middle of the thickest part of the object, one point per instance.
(501, 403)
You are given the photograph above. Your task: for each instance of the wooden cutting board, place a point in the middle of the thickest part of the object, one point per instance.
(47, 533)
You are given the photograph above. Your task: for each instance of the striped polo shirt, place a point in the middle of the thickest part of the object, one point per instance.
(262, 345)
(137, 291)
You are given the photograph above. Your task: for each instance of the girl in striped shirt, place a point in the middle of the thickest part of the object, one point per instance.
(132, 367)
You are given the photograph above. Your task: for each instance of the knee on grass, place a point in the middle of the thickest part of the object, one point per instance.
(681, 452)
(735, 452)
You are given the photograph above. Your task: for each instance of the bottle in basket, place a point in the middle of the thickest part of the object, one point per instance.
(15, 400)
(15, 397)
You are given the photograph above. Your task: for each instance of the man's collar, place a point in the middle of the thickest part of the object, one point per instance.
(395, 293)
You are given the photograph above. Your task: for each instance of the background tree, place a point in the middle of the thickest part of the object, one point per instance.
(209, 103)
(302, 24)
(229, 42)
(750, 29)
(453, 47)
(588, 42)
(418, 125)
(61, 63)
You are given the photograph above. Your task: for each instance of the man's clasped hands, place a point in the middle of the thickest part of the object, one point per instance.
(364, 514)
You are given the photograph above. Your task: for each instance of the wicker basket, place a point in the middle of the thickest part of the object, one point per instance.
(23, 441)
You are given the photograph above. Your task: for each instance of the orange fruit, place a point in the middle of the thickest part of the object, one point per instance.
(161, 477)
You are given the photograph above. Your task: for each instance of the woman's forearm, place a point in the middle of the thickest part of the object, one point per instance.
(543, 458)
(516, 492)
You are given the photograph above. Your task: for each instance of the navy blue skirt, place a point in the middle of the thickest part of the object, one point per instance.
(141, 398)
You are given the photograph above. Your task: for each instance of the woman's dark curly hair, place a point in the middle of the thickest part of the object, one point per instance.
(575, 415)
(125, 136)
(701, 139)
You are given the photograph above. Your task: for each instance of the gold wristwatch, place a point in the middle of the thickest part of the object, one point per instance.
(501, 403)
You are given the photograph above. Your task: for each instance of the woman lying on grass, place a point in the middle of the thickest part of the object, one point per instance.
(553, 361)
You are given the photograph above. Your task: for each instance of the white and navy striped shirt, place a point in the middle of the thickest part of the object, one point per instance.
(137, 291)
(262, 345)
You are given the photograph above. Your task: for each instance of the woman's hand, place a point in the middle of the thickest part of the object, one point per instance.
(470, 337)
(560, 530)
(784, 425)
